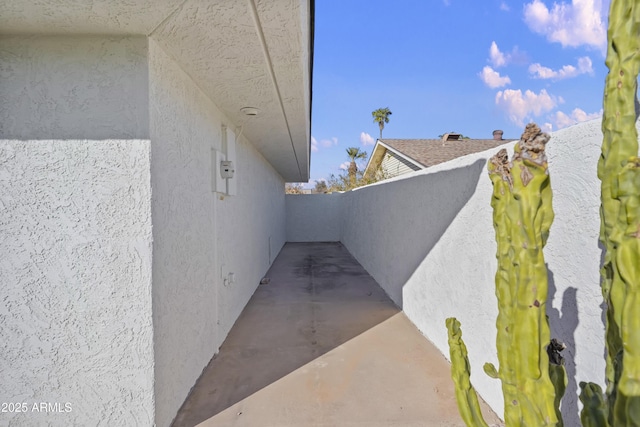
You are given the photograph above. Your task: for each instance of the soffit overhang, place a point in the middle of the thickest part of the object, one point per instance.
(241, 53)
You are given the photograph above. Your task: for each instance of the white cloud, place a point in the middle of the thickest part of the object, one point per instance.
(329, 142)
(504, 6)
(492, 78)
(366, 139)
(326, 143)
(519, 106)
(344, 166)
(585, 66)
(563, 120)
(547, 127)
(576, 24)
(496, 57)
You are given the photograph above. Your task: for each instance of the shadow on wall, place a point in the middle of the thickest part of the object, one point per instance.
(423, 205)
(563, 328)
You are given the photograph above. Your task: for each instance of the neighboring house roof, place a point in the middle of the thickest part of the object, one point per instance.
(428, 152)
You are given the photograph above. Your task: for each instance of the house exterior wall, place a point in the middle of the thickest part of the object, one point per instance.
(393, 165)
(113, 289)
(314, 217)
(201, 236)
(75, 269)
(184, 126)
(428, 240)
(62, 87)
(250, 231)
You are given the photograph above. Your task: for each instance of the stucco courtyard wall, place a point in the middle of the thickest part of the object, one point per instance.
(314, 217)
(201, 236)
(428, 240)
(75, 227)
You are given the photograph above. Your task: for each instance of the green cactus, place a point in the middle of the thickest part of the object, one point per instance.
(522, 216)
(619, 171)
(594, 409)
(532, 382)
(465, 393)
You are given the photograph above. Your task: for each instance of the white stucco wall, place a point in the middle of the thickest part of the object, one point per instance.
(201, 236)
(75, 275)
(75, 269)
(314, 217)
(250, 231)
(184, 125)
(428, 240)
(62, 87)
(112, 281)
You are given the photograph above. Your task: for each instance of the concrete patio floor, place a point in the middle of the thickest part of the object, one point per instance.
(322, 345)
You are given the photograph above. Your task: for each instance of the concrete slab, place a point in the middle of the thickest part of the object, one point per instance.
(322, 345)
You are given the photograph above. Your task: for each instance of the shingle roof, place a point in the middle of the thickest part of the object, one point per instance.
(430, 152)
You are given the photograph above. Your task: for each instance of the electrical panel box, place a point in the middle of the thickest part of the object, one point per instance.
(218, 183)
(230, 151)
(226, 169)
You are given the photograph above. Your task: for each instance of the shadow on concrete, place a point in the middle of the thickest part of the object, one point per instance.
(318, 298)
(435, 198)
(563, 327)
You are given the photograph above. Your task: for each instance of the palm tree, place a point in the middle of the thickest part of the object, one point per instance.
(354, 154)
(381, 116)
(321, 187)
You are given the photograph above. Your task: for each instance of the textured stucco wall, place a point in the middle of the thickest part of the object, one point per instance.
(199, 236)
(314, 217)
(75, 274)
(428, 239)
(184, 124)
(61, 87)
(250, 231)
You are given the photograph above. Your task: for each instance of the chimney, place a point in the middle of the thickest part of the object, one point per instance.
(451, 136)
(497, 134)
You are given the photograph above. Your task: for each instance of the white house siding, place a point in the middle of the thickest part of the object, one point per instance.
(428, 239)
(393, 165)
(75, 227)
(201, 236)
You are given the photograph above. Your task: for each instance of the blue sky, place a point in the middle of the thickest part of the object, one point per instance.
(451, 65)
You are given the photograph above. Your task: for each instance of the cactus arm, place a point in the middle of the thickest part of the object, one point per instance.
(626, 410)
(466, 396)
(500, 175)
(620, 143)
(531, 328)
(620, 216)
(627, 260)
(594, 407)
(557, 374)
(522, 218)
(559, 380)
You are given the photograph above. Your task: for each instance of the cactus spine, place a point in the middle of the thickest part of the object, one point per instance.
(522, 216)
(619, 171)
